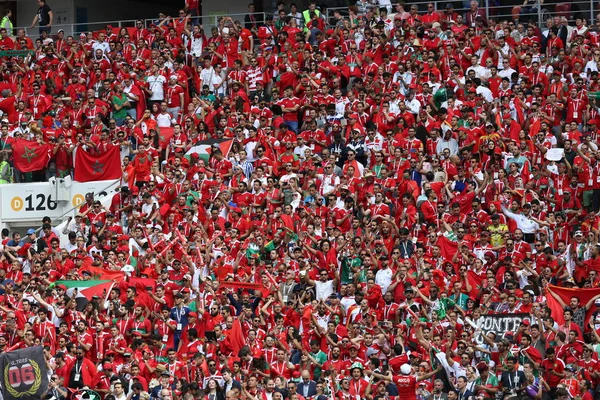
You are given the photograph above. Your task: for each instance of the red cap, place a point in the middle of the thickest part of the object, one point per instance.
(192, 314)
(135, 190)
(353, 116)
(124, 237)
(107, 366)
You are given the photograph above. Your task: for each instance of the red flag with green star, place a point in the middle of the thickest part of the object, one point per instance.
(165, 134)
(30, 156)
(92, 167)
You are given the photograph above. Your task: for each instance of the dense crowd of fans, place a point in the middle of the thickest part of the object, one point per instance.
(394, 177)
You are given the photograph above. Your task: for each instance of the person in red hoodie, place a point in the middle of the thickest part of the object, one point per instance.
(81, 371)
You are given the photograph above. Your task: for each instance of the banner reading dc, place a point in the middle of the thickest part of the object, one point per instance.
(24, 374)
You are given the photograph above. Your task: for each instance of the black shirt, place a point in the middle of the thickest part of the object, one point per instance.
(44, 15)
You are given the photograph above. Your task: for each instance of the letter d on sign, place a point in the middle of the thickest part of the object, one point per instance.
(16, 203)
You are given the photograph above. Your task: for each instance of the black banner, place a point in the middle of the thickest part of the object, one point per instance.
(24, 374)
(500, 324)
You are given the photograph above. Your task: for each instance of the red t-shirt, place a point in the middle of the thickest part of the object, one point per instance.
(406, 385)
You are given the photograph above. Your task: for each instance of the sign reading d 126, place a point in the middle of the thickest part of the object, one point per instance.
(24, 374)
(28, 201)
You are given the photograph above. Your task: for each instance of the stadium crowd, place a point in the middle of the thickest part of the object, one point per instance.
(376, 189)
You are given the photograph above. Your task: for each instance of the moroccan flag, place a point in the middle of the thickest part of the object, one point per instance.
(519, 109)
(165, 134)
(474, 279)
(204, 148)
(103, 167)
(535, 127)
(584, 296)
(24, 372)
(234, 338)
(102, 274)
(30, 156)
(142, 283)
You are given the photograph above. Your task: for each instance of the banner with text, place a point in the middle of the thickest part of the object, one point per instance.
(24, 374)
(500, 324)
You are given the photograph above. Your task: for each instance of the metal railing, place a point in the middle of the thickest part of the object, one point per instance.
(498, 12)
(584, 9)
(207, 21)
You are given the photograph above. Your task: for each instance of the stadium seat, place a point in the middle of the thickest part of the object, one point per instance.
(515, 12)
(563, 10)
(131, 30)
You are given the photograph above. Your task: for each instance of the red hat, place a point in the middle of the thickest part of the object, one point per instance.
(507, 116)
(124, 237)
(107, 366)
(23, 119)
(61, 286)
(135, 190)
(353, 116)
(192, 314)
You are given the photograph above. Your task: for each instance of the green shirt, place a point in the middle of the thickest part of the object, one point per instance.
(321, 359)
(118, 101)
(347, 273)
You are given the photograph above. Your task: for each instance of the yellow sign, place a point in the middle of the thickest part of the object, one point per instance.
(78, 199)
(16, 203)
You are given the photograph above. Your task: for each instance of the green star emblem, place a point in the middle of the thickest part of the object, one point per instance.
(98, 167)
(29, 154)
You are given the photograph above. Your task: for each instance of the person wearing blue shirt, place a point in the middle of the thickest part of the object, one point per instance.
(179, 314)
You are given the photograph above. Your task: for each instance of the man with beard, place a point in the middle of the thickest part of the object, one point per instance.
(83, 338)
(81, 371)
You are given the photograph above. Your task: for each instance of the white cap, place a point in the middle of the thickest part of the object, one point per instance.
(405, 369)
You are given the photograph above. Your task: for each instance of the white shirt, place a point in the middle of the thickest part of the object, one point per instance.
(104, 46)
(506, 73)
(383, 278)
(206, 77)
(163, 120)
(479, 71)
(156, 86)
(323, 289)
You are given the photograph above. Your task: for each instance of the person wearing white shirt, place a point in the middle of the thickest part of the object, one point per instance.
(485, 93)
(447, 142)
(156, 83)
(413, 105)
(324, 286)
(206, 75)
(100, 44)
(329, 180)
(383, 277)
